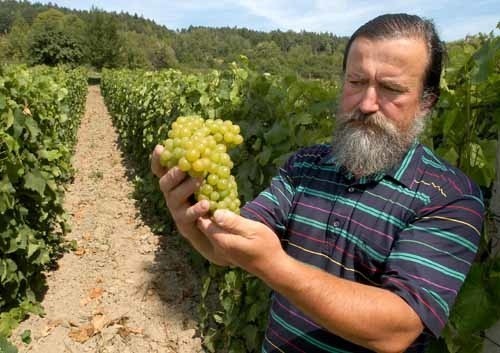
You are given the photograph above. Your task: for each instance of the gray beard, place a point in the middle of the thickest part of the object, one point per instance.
(368, 144)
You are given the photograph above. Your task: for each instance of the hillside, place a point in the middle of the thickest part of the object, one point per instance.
(47, 34)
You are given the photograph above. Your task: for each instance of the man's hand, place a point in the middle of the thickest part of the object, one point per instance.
(177, 188)
(248, 244)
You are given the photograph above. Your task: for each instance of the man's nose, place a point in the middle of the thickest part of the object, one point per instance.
(369, 101)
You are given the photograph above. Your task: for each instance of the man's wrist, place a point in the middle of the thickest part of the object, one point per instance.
(278, 272)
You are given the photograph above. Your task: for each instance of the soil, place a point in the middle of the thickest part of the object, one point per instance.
(124, 289)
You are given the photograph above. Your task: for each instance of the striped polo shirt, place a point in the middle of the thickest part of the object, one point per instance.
(413, 231)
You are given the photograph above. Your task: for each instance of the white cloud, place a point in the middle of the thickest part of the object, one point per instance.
(338, 16)
(454, 19)
(343, 17)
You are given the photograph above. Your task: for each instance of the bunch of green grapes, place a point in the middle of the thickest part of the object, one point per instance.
(199, 147)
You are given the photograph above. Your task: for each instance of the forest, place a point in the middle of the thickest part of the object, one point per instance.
(48, 34)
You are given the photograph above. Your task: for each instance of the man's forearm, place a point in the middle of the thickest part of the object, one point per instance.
(368, 316)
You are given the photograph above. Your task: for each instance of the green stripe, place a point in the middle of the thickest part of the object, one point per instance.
(357, 205)
(366, 191)
(423, 197)
(305, 336)
(390, 201)
(476, 198)
(441, 302)
(270, 197)
(439, 166)
(434, 248)
(426, 262)
(341, 232)
(316, 167)
(285, 182)
(324, 180)
(438, 161)
(404, 164)
(447, 235)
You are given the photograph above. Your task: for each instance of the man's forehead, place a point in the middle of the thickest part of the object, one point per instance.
(397, 51)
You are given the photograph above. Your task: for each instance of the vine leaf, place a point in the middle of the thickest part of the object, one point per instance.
(35, 181)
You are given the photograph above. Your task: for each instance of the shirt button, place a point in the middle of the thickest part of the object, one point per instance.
(336, 224)
(351, 189)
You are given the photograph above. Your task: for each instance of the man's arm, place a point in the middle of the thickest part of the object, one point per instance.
(372, 317)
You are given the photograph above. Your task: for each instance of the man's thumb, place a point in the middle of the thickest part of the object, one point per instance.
(229, 220)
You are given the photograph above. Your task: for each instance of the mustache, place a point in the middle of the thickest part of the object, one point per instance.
(375, 121)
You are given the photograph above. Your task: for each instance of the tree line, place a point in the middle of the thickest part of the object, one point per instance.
(35, 34)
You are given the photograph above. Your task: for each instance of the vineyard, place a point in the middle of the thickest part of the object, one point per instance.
(40, 112)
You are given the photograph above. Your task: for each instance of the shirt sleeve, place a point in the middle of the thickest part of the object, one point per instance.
(272, 205)
(432, 256)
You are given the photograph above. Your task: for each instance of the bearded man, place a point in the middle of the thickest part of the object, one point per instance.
(365, 242)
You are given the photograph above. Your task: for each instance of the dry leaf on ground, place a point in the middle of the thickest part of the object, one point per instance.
(82, 333)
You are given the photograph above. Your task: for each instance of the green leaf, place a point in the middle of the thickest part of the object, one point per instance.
(486, 60)
(449, 118)
(2, 101)
(449, 154)
(234, 95)
(6, 346)
(206, 286)
(218, 318)
(476, 155)
(253, 312)
(49, 155)
(8, 117)
(303, 119)
(437, 346)
(250, 332)
(32, 127)
(204, 100)
(230, 279)
(242, 73)
(6, 194)
(26, 336)
(32, 248)
(35, 181)
(472, 310)
(264, 156)
(277, 134)
(11, 143)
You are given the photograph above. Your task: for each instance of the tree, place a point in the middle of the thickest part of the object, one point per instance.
(103, 40)
(51, 42)
(17, 41)
(267, 56)
(163, 55)
(134, 51)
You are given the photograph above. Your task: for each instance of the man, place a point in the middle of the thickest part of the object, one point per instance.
(366, 242)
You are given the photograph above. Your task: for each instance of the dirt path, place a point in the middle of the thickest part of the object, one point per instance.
(124, 289)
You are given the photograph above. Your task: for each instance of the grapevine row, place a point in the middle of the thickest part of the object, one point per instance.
(40, 110)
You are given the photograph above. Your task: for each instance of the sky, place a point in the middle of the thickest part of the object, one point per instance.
(453, 19)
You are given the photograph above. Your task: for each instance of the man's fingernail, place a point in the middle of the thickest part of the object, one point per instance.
(219, 216)
(204, 204)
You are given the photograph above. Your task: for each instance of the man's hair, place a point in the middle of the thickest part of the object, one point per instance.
(392, 26)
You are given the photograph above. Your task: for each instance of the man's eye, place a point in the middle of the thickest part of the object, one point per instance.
(355, 82)
(392, 89)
